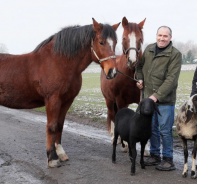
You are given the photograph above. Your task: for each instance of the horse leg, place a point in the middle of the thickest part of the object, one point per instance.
(59, 149)
(112, 132)
(184, 144)
(147, 149)
(193, 171)
(110, 118)
(53, 107)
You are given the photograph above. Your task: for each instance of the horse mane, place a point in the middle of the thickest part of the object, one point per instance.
(43, 43)
(133, 27)
(70, 40)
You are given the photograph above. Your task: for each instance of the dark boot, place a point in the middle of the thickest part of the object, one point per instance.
(166, 164)
(152, 160)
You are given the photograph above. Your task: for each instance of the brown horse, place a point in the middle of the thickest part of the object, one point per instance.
(51, 75)
(123, 91)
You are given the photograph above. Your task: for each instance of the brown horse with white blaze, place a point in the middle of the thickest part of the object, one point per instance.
(122, 91)
(51, 76)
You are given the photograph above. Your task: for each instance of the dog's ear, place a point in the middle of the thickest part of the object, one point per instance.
(156, 108)
(138, 108)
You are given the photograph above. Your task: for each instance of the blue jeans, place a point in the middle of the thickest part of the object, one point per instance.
(162, 130)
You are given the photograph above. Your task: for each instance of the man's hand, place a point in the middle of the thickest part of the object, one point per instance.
(140, 84)
(153, 98)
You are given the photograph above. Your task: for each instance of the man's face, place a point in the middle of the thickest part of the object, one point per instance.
(163, 37)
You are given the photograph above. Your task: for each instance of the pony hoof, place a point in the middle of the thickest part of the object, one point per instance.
(63, 157)
(132, 174)
(193, 175)
(125, 149)
(54, 163)
(146, 153)
(184, 175)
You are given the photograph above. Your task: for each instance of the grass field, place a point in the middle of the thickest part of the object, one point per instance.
(91, 103)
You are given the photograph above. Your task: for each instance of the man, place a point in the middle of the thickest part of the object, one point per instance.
(158, 73)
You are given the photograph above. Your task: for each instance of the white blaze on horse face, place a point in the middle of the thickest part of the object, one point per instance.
(110, 41)
(132, 53)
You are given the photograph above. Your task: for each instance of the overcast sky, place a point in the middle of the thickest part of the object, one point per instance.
(25, 23)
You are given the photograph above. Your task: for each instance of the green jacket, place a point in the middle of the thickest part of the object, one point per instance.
(160, 73)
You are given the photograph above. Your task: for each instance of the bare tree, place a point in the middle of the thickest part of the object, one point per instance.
(184, 48)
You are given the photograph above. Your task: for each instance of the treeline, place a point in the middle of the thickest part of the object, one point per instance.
(188, 50)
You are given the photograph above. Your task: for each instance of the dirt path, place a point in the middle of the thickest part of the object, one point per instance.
(23, 154)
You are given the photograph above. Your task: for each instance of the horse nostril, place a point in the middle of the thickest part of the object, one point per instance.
(115, 74)
(129, 60)
(110, 72)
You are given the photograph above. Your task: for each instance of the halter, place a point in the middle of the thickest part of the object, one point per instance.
(131, 48)
(100, 60)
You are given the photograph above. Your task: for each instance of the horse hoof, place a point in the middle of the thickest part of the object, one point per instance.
(125, 149)
(54, 163)
(63, 157)
(193, 175)
(184, 175)
(146, 153)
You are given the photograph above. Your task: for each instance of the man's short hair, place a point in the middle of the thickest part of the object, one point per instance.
(165, 27)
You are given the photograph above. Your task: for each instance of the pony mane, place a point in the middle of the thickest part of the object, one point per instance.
(70, 40)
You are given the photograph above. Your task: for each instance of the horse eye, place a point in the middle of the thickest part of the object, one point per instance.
(101, 43)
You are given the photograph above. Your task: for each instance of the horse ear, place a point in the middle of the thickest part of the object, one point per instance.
(115, 26)
(141, 24)
(97, 27)
(124, 22)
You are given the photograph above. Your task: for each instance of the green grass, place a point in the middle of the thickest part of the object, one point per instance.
(91, 103)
